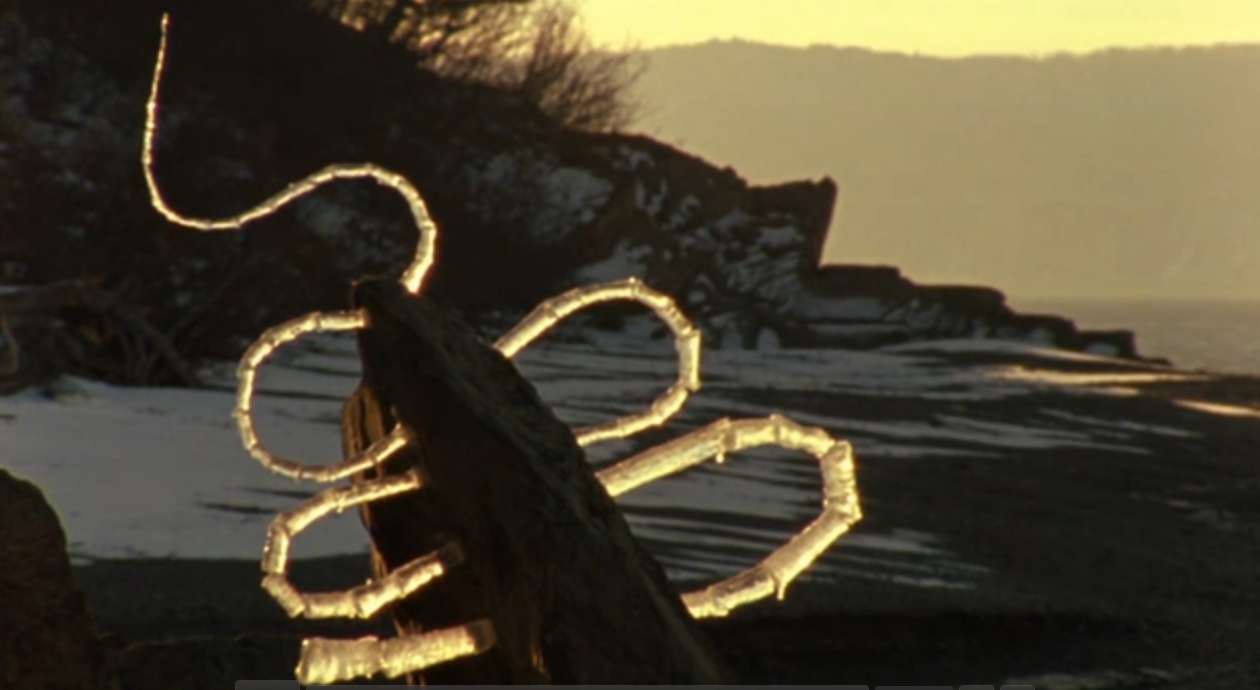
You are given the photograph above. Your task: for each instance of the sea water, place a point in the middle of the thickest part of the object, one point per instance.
(1213, 335)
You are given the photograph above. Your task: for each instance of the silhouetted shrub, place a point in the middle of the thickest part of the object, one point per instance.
(533, 48)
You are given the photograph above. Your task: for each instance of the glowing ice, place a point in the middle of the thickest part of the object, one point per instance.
(326, 661)
(329, 661)
(772, 575)
(412, 277)
(686, 342)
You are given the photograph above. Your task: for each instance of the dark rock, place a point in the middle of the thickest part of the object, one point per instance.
(47, 637)
(839, 279)
(548, 558)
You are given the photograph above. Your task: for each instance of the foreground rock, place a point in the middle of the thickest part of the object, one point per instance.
(527, 208)
(47, 638)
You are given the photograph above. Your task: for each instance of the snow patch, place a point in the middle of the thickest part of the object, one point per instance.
(1219, 408)
(650, 203)
(1041, 336)
(1103, 349)
(768, 339)
(780, 238)
(683, 214)
(1075, 378)
(341, 225)
(1005, 347)
(625, 261)
(735, 219)
(559, 199)
(143, 469)
(575, 193)
(634, 159)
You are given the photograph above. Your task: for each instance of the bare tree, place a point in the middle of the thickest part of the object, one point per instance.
(427, 27)
(534, 48)
(567, 77)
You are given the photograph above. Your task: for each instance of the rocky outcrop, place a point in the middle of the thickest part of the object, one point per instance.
(47, 637)
(539, 554)
(527, 208)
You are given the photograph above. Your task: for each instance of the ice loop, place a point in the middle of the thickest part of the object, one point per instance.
(326, 661)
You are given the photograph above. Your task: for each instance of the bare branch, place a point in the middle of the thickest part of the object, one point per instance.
(535, 49)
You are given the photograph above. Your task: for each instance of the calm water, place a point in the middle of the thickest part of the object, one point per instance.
(1219, 336)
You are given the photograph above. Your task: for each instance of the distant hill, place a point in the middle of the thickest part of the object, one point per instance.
(1118, 173)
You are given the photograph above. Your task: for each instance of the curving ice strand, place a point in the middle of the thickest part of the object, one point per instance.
(772, 575)
(327, 661)
(686, 341)
(413, 275)
(360, 602)
(247, 375)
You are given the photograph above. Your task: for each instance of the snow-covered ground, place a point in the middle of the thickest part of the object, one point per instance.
(161, 472)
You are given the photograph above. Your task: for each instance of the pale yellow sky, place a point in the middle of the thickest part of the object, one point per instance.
(935, 27)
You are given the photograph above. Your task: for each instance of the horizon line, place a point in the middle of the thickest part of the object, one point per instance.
(1026, 55)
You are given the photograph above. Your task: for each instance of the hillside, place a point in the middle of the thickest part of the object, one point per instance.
(1114, 174)
(103, 286)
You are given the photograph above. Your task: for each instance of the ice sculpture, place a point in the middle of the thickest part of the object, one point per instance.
(326, 661)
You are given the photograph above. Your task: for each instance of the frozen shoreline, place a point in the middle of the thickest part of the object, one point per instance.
(1050, 505)
(161, 472)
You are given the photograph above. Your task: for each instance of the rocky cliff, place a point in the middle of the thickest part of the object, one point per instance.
(258, 96)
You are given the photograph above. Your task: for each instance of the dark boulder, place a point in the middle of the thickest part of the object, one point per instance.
(47, 637)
